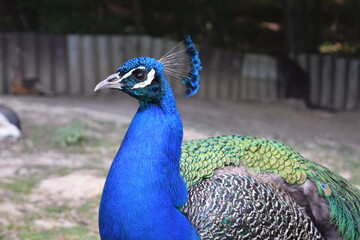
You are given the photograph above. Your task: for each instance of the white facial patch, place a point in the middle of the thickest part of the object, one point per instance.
(149, 78)
(128, 74)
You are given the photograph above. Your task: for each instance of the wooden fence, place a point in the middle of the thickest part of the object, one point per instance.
(73, 64)
(334, 81)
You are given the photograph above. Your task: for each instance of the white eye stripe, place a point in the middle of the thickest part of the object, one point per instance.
(150, 77)
(128, 74)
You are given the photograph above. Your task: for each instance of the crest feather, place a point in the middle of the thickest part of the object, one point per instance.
(183, 63)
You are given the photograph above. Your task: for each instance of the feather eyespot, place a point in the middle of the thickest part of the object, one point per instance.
(138, 75)
(326, 189)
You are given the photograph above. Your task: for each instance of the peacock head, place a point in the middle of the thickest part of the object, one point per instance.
(140, 77)
(145, 78)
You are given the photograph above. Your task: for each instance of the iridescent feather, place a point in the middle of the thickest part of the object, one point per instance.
(201, 158)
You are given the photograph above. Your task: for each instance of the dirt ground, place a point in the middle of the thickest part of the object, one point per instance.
(51, 178)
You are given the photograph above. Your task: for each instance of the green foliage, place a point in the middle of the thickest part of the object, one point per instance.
(55, 209)
(40, 136)
(72, 135)
(74, 233)
(338, 47)
(18, 185)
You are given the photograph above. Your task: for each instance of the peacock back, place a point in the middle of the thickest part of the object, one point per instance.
(333, 204)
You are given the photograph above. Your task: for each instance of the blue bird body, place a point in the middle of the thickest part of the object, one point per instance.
(143, 189)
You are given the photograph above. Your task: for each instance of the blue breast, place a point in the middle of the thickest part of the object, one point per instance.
(144, 188)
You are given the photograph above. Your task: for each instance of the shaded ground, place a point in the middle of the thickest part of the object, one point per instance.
(51, 179)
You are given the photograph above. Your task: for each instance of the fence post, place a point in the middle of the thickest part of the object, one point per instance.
(145, 46)
(325, 91)
(12, 54)
(235, 76)
(339, 83)
(61, 75)
(250, 77)
(157, 48)
(353, 91)
(314, 80)
(90, 64)
(45, 61)
(2, 64)
(213, 74)
(131, 46)
(28, 55)
(223, 77)
(117, 52)
(262, 76)
(272, 79)
(103, 58)
(205, 57)
(74, 55)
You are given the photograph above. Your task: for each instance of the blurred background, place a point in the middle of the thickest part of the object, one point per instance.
(288, 70)
(262, 50)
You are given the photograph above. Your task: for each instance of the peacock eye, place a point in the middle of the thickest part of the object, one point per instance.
(139, 75)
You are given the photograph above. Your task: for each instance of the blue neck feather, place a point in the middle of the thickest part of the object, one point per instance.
(143, 188)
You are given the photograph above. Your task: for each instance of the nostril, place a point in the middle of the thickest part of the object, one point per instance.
(112, 79)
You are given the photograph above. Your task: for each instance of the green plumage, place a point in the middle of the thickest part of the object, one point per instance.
(200, 158)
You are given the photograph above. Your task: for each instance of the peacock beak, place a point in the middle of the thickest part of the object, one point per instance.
(112, 81)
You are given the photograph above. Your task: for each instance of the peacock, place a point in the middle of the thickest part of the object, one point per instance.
(226, 187)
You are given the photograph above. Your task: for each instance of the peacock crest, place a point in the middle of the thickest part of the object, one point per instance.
(182, 63)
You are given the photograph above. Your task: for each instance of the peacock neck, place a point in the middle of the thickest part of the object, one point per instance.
(143, 188)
